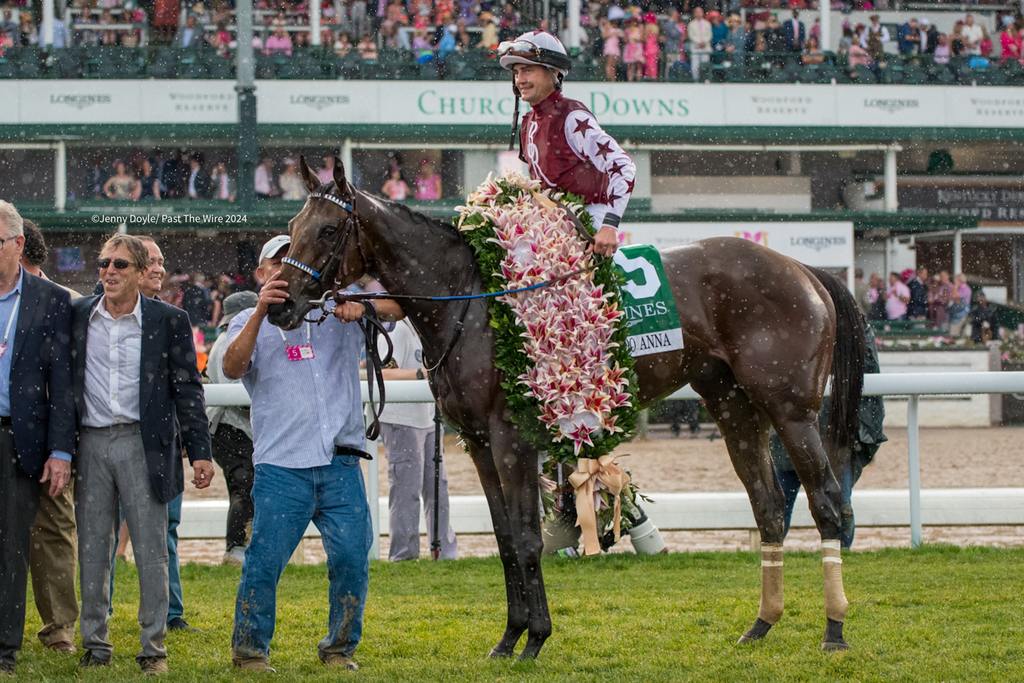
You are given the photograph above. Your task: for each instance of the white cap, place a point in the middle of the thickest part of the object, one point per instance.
(274, 245)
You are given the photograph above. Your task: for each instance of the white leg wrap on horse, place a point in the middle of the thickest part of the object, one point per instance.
(771, 583)
(835, 598)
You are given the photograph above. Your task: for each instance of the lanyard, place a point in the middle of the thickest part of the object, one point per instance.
(283, 338)
(10, 320)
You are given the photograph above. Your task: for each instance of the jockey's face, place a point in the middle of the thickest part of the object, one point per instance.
(534, 82)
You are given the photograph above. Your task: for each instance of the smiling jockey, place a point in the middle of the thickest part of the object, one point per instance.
(560, 139)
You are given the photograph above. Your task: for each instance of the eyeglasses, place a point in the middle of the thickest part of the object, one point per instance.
(5, 240)
(119, 263)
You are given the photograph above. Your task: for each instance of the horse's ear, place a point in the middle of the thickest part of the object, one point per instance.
(308, 176)
(339, 178)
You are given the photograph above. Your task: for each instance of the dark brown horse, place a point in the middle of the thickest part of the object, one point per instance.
(762, 335)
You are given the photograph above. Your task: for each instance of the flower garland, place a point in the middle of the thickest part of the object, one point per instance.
(564, 343)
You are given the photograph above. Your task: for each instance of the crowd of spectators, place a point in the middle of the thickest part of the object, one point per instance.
(179, 174)
(946, 304)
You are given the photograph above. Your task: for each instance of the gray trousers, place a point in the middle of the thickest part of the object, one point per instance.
(112, 471)
(411, 479)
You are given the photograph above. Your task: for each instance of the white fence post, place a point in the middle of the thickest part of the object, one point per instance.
(914, 467)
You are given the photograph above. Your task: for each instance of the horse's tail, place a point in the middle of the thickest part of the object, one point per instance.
(847, 363)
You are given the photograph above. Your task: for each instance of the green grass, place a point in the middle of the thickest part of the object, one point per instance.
(938, 613)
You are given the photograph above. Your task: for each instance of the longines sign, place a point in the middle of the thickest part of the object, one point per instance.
(445, 103)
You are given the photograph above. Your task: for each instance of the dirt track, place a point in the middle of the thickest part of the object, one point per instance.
(950, 458)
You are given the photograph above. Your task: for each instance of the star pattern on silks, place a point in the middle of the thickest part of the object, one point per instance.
(616, 169)
(612, 197)
(630, 184)
(582, 126)
(604, 149)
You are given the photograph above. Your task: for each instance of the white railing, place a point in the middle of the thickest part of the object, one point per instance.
(725, 510)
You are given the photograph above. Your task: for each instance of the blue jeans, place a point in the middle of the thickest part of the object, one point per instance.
(790, 483)
(286, 500)
(175, 606)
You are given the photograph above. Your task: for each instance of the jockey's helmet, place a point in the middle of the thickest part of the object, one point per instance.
(535, 47)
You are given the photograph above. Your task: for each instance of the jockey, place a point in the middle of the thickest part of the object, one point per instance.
(560, 139)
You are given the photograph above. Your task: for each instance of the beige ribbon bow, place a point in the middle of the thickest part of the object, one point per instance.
(584, 480)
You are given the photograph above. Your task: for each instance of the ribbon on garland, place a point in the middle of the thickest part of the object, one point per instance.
(589, 472)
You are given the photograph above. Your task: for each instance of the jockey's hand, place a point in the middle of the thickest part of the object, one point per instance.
(606, 241)
(349, 312)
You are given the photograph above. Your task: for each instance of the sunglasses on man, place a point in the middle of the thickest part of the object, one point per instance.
(119, 263)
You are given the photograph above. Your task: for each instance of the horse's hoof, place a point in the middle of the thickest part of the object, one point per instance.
(500, 653)
(757, 632)
(834, 641)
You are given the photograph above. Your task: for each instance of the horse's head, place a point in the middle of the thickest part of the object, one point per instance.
(325, 253)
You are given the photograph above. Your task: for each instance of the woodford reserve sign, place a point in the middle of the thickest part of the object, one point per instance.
(445, 103)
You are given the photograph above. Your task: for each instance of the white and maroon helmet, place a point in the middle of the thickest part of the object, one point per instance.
(535, 47)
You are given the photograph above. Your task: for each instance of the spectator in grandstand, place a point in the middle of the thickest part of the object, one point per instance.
(292, 187)
(61, 35)
(408, 435)
(222, 40)
(95, 178)
(959, 305)
(633, 51)
(128, 451)
(1010, 44)
(812, 53)
(674, 31)
(957, 46)
(367, 48)
(8, 25)
(698, 32)
(876, 298)
(876, 48)
(984, 325)
(189, 36)
(652, 47)
(26, 30)
(122, 185)
(972, 34)
(263, 180)
(175, 175)
(149, 183)
(300, 41)
(223, 184)
(897, 296)
(986, 42)
(917, 308)
(343, 45)
(199, 184)
(909, 37)
(775, 40)
(231, 434)
(428, 182)
(358, 17)
(718, 30)
(845, 42)
(881, 33)
(928, 36)
(395, 188)
(326, 173)
(279, 41)
(794, 33)
(489, 35)
(942, 52)
(736, 40)
(463, 39)
(940, 295)
(611, 49)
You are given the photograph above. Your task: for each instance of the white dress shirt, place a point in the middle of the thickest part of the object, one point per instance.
(113, 361)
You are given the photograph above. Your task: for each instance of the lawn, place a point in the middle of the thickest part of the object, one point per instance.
(938, 613)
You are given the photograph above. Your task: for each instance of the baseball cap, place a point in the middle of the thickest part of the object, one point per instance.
(236, 303)
(274, 245)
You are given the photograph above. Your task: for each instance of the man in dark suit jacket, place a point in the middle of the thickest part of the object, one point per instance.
(37, 434)
(199, 185)
(794, 33)
(135, 378)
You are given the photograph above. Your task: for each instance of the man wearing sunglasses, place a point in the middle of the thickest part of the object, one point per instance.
(37, 430)
(561, 141)
(135, 379)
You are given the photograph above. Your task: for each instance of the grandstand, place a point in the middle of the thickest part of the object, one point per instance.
(906, 128)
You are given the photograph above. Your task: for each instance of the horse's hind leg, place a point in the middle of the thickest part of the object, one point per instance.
(518, 611)
(802, 440)
(745, 430)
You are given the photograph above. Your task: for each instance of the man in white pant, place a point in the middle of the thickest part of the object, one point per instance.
(408, 433)
(699, 33)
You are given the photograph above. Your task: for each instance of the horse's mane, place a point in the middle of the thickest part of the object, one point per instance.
(417, 218)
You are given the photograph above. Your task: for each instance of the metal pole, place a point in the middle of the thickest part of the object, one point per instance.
(435, 542)
(891, 201)
(373, 489)
(47, 34)
(314, 23)
(574, 26)
(346, 158)
(958, 252)
(914, 467)
(60, 176)
(825, 9)
(247, 142)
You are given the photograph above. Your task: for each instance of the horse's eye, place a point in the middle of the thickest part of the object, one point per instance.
(328, 231)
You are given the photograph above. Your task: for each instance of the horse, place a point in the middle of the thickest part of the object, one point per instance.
(762, 334)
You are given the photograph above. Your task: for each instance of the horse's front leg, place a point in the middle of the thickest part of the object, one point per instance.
(515, 595)
(517, 466)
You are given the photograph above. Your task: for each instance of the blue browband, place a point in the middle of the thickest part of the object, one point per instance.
(310, 270)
